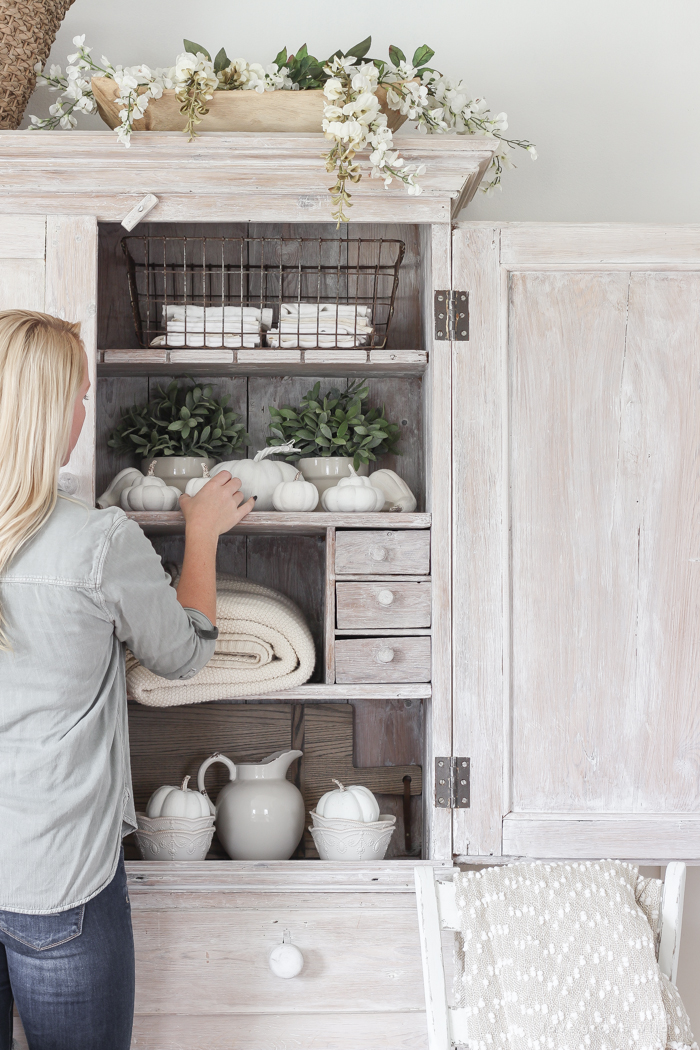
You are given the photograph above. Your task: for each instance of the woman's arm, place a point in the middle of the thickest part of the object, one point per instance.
(216, 508)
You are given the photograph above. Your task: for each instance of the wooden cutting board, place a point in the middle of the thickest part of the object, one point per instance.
(168, 744)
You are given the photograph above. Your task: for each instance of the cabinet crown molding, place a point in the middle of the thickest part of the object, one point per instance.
(226, 176)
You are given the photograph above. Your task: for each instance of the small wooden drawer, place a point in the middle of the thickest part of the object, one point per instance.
(405, 551)
(382, 660)
(386, 603)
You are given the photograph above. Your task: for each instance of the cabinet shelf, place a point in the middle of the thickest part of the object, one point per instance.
(163, 523)
(260, 876)
(344, 363)
(319, 693)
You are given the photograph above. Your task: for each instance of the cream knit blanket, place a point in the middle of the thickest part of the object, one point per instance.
(562, 957)
(264, 645)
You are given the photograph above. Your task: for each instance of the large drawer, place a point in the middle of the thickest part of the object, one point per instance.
(203, 979)
(382, 659)
(386, 603)
(401, 551)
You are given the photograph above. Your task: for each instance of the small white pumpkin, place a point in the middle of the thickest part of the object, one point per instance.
(260, 477)
(352, 803)
(396, 492)
(169, 801)
(150, 493)
(297, 496)
(353, 495)
(123, 480)
(195, 484)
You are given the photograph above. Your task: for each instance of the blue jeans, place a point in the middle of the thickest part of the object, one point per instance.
(71, 975)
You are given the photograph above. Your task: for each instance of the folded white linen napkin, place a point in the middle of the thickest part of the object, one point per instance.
(310, 342)
(211, 328)
(215, 317)
(324, 327)
(313, 309)
(198, 339)
(178, 312)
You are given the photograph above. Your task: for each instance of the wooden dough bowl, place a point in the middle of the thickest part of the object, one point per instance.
(288, 111)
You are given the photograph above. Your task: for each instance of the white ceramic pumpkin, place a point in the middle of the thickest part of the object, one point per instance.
(352, 803)
(260, 476)
(353, 495)
(195, 484)
(169, 801)
(397, 494)
(297, 496)
(123, 480)
(150, 493)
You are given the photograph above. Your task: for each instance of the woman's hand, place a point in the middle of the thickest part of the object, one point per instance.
(217, 507)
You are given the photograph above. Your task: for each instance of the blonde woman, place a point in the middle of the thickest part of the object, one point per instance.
(76, 585)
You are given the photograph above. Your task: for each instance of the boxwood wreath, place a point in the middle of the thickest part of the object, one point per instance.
(337, 424)
(184, 420)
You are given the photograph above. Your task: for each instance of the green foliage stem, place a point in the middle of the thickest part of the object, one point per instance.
(337, 424)
(181, 421)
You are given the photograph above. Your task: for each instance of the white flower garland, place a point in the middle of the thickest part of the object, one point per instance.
(352, 117)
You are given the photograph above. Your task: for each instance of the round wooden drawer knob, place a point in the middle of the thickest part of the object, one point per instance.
(378, 553)
(385, 655)
(385, 597)
(286, 960)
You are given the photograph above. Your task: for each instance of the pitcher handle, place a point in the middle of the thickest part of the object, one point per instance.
(209, 762)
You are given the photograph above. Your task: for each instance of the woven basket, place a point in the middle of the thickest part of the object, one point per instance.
(27, 30)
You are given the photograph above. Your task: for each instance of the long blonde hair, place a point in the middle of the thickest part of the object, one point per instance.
(41, 371)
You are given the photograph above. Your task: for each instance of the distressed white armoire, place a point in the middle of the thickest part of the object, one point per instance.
(544, 597)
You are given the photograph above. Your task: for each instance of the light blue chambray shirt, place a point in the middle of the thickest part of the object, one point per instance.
(87, 584)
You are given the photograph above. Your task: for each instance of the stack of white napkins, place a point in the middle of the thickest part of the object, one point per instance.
(309, 325)
(213, 326)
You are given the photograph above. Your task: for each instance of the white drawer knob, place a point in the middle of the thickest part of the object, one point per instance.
(385, 656)
(285, 959)
(385, 597)
(377, 553)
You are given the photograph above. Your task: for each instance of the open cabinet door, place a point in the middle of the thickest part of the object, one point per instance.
(49, 263)
(576, 531)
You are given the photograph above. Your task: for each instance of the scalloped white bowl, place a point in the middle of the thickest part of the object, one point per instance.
(174, 838)
(344, 823)
(359, 842)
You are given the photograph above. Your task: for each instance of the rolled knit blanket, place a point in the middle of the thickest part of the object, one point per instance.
(264, 645)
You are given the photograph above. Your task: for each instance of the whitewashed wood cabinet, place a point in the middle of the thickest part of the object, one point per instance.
(544, 596)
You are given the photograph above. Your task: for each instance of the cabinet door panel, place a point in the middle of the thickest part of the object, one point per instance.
(584, 453)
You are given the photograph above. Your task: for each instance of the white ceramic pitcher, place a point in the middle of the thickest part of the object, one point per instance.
(259, 813)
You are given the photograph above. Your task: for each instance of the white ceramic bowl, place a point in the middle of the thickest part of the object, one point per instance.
(361, 842)
(174, 823)
(344, 824)
(174, 838)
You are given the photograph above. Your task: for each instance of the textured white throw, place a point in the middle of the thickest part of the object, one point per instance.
(562, 957)
(264, 645)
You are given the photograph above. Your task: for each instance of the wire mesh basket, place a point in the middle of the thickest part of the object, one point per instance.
(306, 292)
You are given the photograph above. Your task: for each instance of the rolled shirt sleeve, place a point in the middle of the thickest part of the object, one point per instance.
(135, 592)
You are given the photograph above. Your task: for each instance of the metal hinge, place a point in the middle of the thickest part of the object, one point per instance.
(452, 783)
(451, 315)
